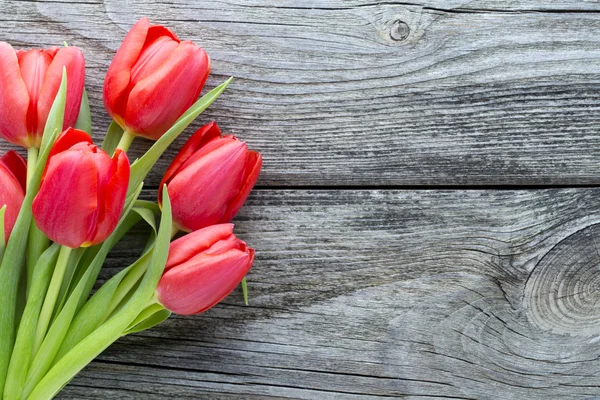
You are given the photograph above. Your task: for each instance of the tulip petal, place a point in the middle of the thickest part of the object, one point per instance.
(84, 118)
(157, 31)
(211, 147)
(65, 141)
(196, 286)
(201, 192)
(34, 64)
(253, 166)
(11, 195)
(196, 242)
(111, 196)
(72, 59)
(14, 98)
(68, 139)
(66, 204)
(119, 72)
(153, 55)
(105, 169)
(230, 242)
(17, 166)
(202, 136)
(179, 79)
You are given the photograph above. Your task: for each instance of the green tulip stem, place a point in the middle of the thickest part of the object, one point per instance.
(126, 141)
(174, 231)
(245, 290)
(32, 157)
(51, 296)
(37, 242)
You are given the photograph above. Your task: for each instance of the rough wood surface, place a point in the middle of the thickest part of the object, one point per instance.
(360, 92)
(366, 292)
(383, 293)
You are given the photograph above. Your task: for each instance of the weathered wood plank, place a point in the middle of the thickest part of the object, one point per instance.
(382, 293)
(380, 93)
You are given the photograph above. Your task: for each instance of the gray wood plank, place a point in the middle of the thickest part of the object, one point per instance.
(374, 93)
(384, 293)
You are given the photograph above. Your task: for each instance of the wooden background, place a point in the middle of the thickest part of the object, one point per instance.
(427, 222)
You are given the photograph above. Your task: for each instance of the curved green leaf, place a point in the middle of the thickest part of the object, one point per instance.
(112, 138)
(141, 167)
(149, 318)
(84, 119)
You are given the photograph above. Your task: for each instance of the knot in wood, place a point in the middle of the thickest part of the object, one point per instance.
(399, 30)
(562, 292)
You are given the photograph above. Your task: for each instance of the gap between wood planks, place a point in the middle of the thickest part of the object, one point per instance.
(418, 187)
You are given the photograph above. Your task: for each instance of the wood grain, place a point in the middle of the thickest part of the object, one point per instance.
(373, 93)
(386, 293)
(361, 290)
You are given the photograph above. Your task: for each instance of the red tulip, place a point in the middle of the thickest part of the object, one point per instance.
(82, 192)
(13, 176)
(210, 179)
(29, 81)
(202, 269)
(153, 79)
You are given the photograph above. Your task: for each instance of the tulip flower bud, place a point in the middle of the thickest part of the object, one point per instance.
(29, 82)
(202, 269)
(82, 193)
(13, 176)
(153, 79)
(210, 178)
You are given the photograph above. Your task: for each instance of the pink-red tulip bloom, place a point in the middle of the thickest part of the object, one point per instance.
(210, 179)
(82, 192)
(29, 82)
(13, 176)
(153, 79)
(202, 269)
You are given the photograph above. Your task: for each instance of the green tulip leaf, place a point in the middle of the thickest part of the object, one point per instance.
(54, 122)
(99, 307)
(84, 119)
(141, 167)
(150, 205)
(149, 318)
(148, 215)
(112, 138)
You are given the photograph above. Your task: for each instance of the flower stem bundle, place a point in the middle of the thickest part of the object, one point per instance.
(64, 207)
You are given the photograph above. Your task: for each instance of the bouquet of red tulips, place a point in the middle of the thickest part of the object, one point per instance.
(66, 206)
